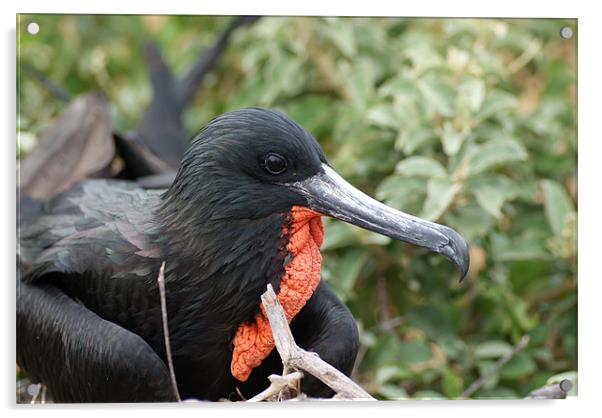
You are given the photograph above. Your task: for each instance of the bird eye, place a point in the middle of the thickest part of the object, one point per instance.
(274, 164)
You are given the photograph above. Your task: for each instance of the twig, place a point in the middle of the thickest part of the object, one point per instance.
(240, 394)
(555, 391)
(355, 374)
(295, 357)
(161, 281)
(35, 396)
(528, 54)
(278, 383)
(382, 296)
(43, 398)
(53, 88)
(476, 385)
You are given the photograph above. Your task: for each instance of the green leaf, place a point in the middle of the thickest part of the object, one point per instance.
(367, 338)
(348, 268)
(392, 392)
(440, 194)
(489, 368)
(490, 199)
(421, 166)
(451, 384)
(492, 349)
(438, 95)
(452, 346)
(429, 375)
(360, 80)
(519, 311)
(495, 153)
(529, 246)
(414, 352)
(521, 365)
(496, 103)
(285, 75)
(389, 373)
(384, 116)
(313, 112)
(471, 93)
(384, 352)
(557, 204)
(471, 221)
(496, 393)
(366, 237)
(403, 193)
(431, 319)
(506, 186)
(409, 140)
(340, 33)
(452, 140)
(428, 394)
(337, 235)
(422, 54)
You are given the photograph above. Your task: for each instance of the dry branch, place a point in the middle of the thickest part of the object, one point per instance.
(294, 357)
(476, 385)
(172, 373)
(78, 145)
(555, 391)
(278, 384)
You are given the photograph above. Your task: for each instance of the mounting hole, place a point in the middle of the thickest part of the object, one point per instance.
(33, 389)
(566, 385)
(566, 32)
(33, 28)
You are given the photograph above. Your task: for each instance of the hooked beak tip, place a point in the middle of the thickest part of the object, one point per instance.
(456, 251)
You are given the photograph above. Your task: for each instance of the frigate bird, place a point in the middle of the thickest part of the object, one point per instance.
(244, 210)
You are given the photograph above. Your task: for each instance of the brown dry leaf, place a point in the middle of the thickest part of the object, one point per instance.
(478, 259)
(153, 22)
(533, 87)
(79, 145)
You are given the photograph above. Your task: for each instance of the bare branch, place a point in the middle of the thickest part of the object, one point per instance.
(34, 398)
(295, 357)
(161, 281)
(555, 391)
(53, 88)
(476, 385)
(279, 383)
(43, 398)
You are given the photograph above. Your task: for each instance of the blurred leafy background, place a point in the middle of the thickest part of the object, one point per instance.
(468, 122)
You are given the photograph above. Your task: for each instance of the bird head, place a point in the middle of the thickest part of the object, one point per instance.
(259, 162)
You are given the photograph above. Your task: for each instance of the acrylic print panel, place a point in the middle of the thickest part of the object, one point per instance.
(469, 123)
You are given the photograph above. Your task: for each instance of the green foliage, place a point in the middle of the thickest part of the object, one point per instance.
(471, 123)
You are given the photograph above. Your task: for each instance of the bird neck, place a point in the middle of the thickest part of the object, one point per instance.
(216, 269)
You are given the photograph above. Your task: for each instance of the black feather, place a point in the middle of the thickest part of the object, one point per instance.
(219, 230)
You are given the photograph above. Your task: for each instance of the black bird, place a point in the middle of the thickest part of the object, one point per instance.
(243, 211)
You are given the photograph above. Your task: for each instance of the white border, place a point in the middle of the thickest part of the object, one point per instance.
(507, 8)
(590, 210)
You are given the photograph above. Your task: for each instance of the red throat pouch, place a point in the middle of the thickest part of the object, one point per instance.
(253, 342)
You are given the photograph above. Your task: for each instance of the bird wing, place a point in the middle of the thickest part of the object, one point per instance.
(80, 356)
(97, 227)
(68, 336)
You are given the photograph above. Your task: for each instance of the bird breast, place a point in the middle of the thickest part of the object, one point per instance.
(253, 341)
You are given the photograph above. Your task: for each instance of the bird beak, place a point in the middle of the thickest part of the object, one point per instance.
(330, 194)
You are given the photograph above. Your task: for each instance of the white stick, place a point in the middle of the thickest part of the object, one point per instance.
(172, 373)
(294, 356)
